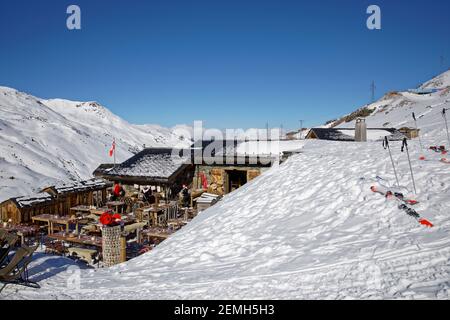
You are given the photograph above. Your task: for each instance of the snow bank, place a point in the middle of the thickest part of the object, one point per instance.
(310, 228)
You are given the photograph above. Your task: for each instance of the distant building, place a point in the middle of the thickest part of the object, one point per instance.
(410, 133)
(348, 134)
(423, 91)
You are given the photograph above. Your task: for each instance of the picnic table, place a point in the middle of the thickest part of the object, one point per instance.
(21, 230)
(77, 239)
(99, 211)
(177, 223)
(81, 208)
(51, 220)
(155, 232)
(155, 214)
(118, 205)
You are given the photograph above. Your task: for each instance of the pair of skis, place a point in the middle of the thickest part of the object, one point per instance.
(442, 151)
(439, 149)
(403, 204)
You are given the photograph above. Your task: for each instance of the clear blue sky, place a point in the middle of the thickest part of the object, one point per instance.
(232, 63)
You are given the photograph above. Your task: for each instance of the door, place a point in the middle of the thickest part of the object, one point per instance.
(236, 179)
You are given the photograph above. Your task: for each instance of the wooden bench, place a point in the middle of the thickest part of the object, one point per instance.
(84, 254)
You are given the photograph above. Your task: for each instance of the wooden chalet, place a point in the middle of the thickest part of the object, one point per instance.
(90, 193)
(21, 209)
(163, 167)
(54, 200)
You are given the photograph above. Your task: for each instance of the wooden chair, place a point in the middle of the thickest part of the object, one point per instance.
(55, 247)
(10, 241)
(16, 272)
(3, 234)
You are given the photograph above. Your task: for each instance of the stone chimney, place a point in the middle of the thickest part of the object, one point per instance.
(360, 130)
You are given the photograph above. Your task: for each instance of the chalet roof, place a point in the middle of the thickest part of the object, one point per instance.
(340, 134)
(330, 134)
(31, 200)
(217, 147)
(79, 186)
(151, 164)
(102, 169)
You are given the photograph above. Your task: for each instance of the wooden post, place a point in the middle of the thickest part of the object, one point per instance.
(123, 249)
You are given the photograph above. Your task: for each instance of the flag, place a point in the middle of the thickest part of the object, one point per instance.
(204, 181)
(113, 148)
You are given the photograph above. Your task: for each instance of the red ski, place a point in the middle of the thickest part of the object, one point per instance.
(409, 211)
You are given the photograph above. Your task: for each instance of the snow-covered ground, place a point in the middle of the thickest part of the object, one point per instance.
(309, 228)
(43, 142)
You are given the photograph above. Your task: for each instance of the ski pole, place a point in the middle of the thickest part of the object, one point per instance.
(446, 125)
(405, 145)
(417, 128)
(386, 146)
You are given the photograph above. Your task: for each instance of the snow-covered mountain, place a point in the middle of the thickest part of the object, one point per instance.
(47, 141)
(395, 109)
(309, 228)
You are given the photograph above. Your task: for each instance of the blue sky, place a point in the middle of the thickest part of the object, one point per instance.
(230, 63)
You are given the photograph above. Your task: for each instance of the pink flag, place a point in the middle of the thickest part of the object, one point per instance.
(113, 148)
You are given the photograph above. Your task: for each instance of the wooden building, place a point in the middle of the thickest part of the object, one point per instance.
(213, 165)
(410, 133)
(21, 209)
(54, 200)
(68, 195)
(166, 168)
(221, 168)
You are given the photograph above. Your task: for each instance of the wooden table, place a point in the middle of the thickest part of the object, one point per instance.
(22, 231)
(99, 211)
(81, 239)
(81, 208)
(157, 233)
(51, 220)
(116, 205)
(174, 223)
(151, 214)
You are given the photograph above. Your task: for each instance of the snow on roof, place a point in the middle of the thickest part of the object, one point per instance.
(150, 163)
(81, 186)
(30, 200)
(348, 134)
(331, 134)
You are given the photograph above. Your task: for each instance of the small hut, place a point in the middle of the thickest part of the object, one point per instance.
(22, 209)
(89, 192)
(410, 133)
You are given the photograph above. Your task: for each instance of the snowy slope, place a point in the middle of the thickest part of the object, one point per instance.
(45, 141)
(440, 81)
(310, 228)
(395, 109)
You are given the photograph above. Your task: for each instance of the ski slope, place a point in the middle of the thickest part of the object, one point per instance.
(310, 228)
(43, 142)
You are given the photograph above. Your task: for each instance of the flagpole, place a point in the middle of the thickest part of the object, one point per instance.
(114, 152)
(417, 129)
